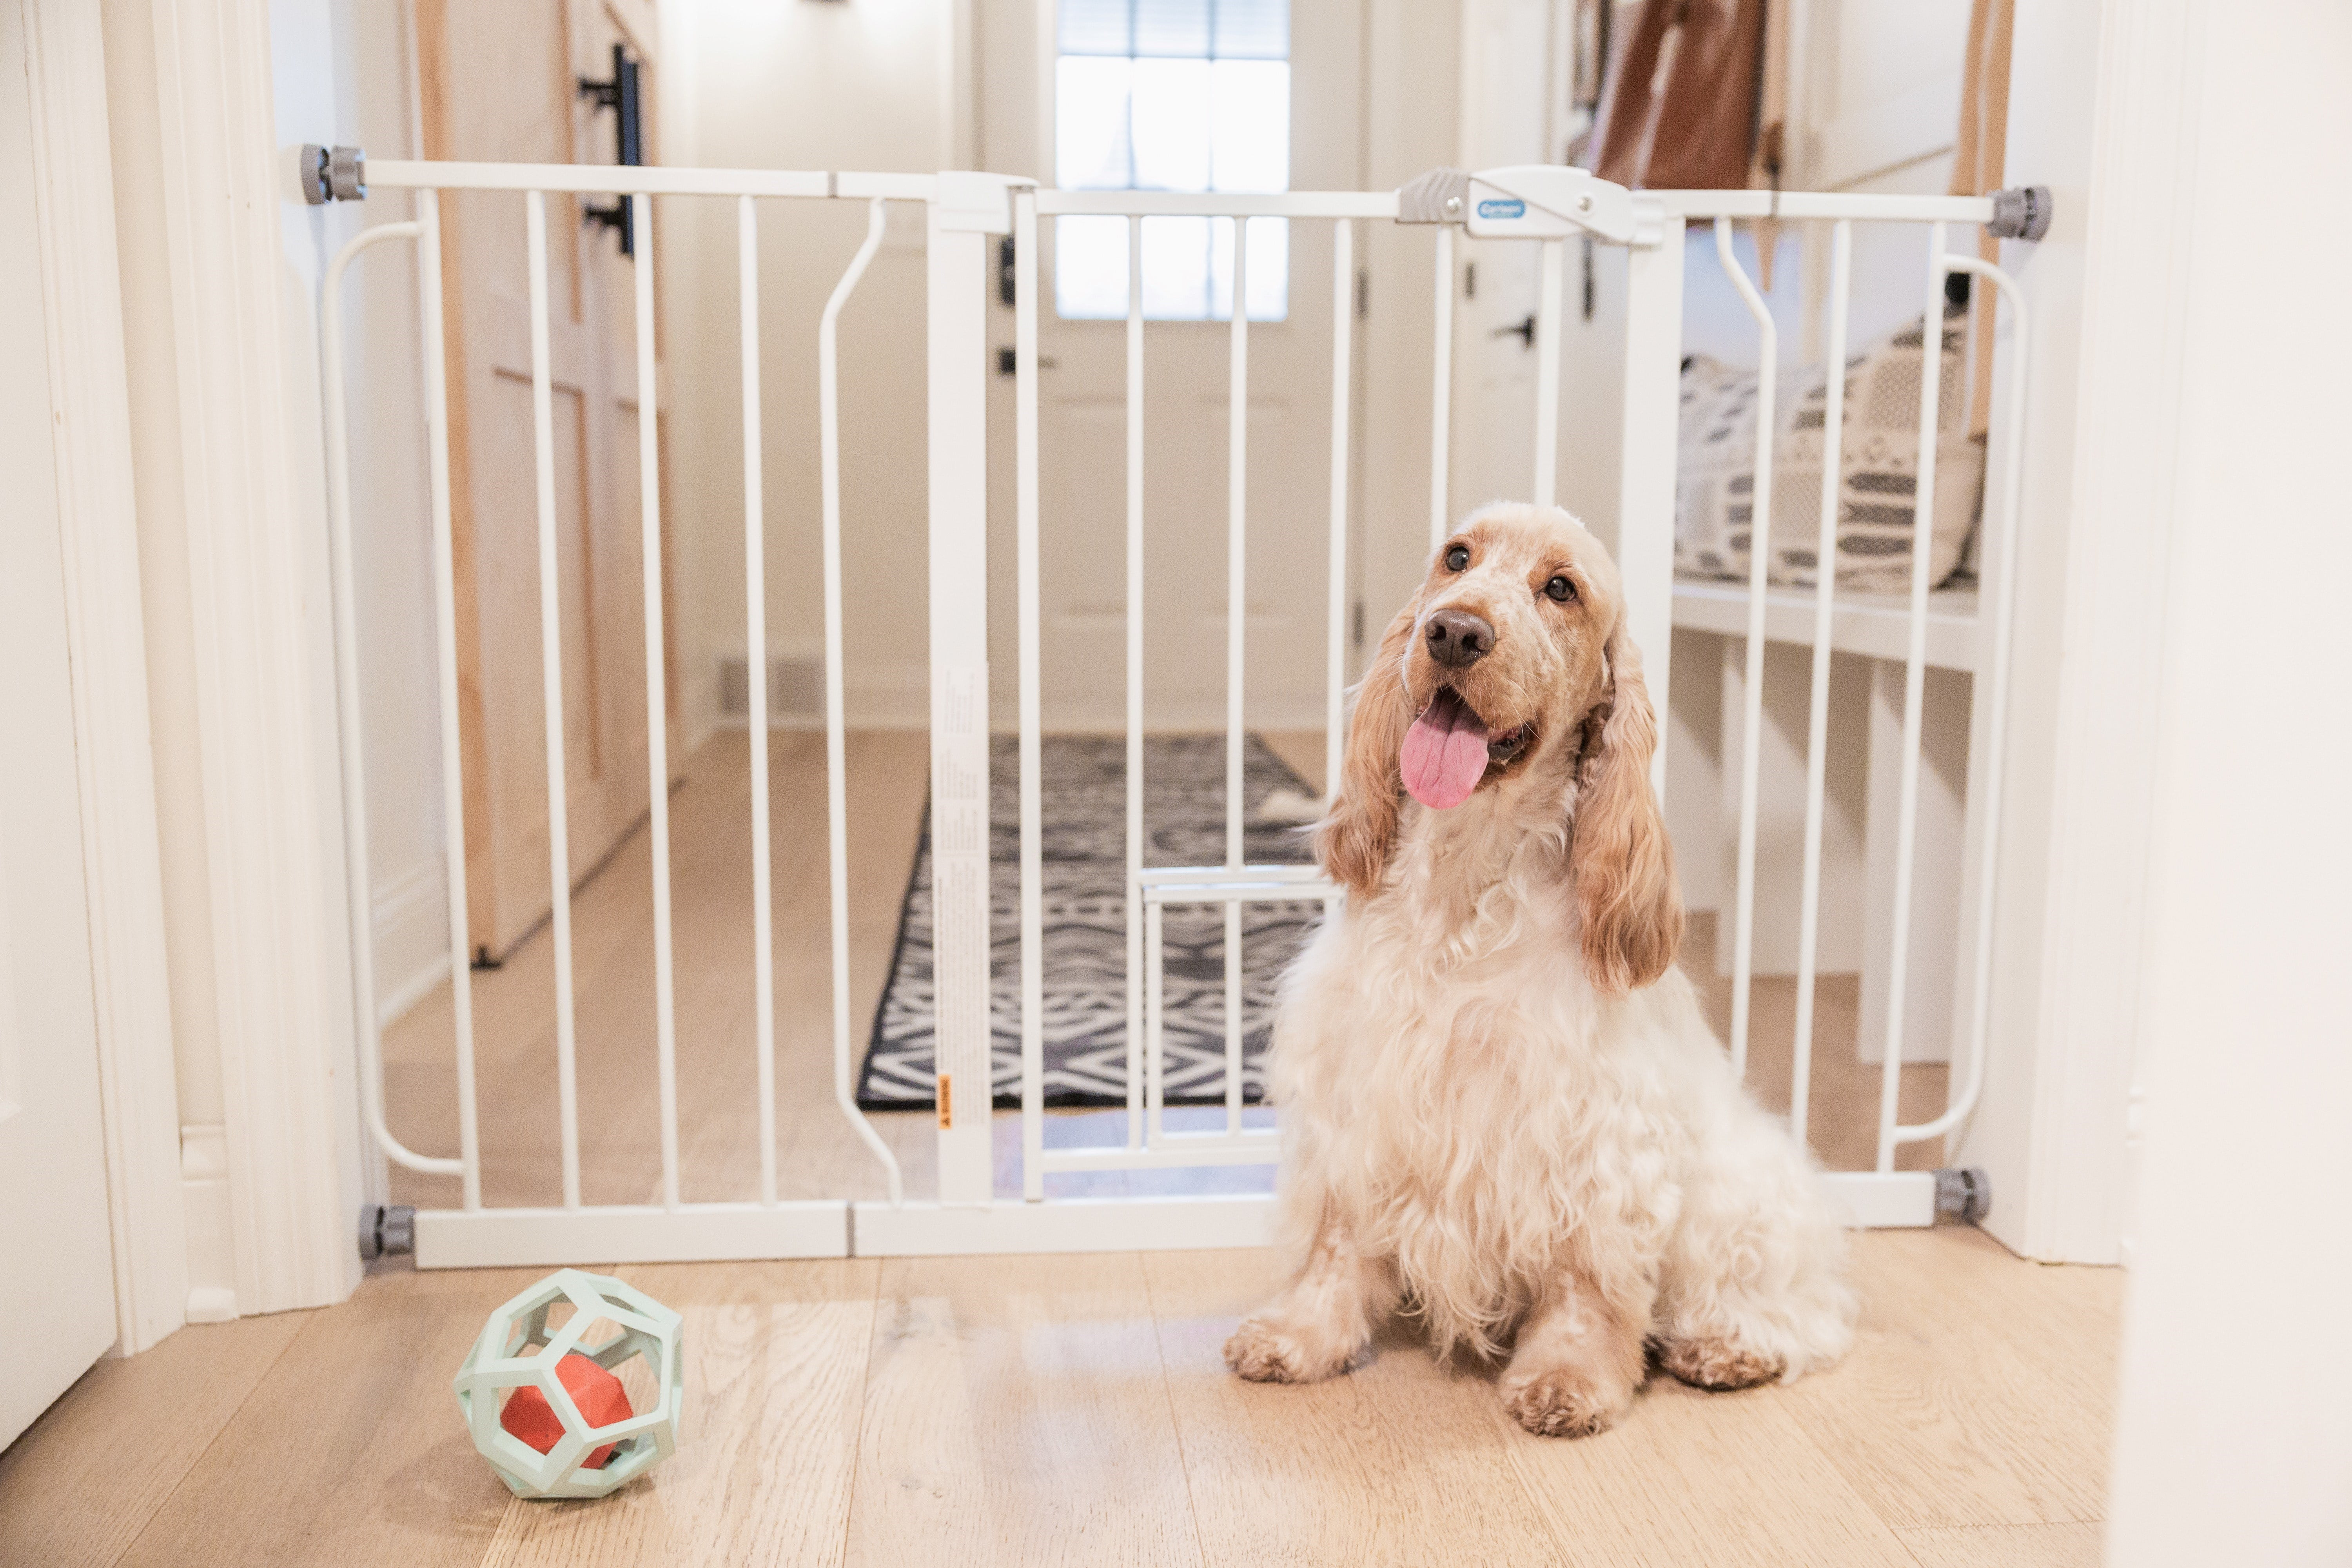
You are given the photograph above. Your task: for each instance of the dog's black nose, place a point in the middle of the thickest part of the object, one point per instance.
(1458, 638)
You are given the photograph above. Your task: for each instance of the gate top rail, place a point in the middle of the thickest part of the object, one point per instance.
(629, 179)
(1860, 206)
(1219, 204)
(414, 173)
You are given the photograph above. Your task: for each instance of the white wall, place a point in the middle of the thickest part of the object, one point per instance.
(2234, 1435)
(752, 84)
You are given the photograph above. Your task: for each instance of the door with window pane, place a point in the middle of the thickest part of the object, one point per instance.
(1179, 95)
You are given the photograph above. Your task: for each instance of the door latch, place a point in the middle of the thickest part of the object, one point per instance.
(1523, 331)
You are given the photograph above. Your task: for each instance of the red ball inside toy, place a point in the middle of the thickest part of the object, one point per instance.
(597, 1394)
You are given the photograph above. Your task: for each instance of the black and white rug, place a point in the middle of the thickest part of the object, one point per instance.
(1084, 853)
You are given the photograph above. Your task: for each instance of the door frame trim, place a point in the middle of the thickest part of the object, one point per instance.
(73, 185)
(250, 502)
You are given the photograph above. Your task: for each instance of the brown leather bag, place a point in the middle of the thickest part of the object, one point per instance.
(1680, 112)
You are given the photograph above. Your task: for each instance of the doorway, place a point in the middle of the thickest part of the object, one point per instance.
(1235, 95)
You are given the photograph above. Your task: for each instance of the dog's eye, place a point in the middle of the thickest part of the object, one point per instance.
(1561, 590)
(1458, 558)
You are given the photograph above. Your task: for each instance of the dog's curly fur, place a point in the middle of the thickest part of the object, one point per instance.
(1504, 1111)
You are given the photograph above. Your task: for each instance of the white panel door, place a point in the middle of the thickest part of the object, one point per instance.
(1178, 106)
(56, 1289)
(1505, 96)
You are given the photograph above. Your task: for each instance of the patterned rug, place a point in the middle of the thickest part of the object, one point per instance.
(1085, 810)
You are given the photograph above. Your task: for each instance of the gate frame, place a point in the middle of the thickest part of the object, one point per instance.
(1546, 202)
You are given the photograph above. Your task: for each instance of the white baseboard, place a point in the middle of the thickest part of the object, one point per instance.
(211, 1228)
(411, 916)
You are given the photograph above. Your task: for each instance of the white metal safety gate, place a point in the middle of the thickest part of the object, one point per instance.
(1546, 205)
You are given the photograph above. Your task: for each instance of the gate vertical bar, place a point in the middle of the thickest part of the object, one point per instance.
(1135, 998)
(2002, 550)
(958, 407)
(364, 1026)
(755, 661)
(1343, 302)
(445, 606)
(1548, 336)
(1155, 1014)
(1236, 615)
(1817, 724)
(1441, 393)
(656, 690)
(551, 661)
(1752, 727)
(1646, 483)
(1915, 683)
(1025, 507)
(837, 788)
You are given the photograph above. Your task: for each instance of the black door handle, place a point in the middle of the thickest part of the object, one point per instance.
(621, 95)
(1008, 362)
(1523, 331)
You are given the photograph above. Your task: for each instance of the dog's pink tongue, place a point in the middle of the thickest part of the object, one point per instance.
(1444, 755)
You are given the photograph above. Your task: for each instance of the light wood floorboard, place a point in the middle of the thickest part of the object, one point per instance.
(1957, 1408)
(2009, 1546)
(1379, 1467)
(1045, 1410)
(80, 1483)
(1016, 1413)
(1718, 1479)
(775, 1377)
(351, 1449)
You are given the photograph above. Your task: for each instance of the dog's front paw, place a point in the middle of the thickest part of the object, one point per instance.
(1263, 1354)
(1560, 1402)
(1718, 1364)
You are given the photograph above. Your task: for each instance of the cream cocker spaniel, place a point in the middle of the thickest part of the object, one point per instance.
(1503, 1109)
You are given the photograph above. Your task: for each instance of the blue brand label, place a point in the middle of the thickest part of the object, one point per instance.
(1510, 207)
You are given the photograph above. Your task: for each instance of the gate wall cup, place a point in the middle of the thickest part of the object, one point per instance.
(516, 1349)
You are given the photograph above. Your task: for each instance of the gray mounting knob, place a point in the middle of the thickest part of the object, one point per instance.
(1965, 1194)
(386, 1230)
(2022, 212)
(332, 173)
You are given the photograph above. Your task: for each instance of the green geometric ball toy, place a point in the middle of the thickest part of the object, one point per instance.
(517, 1351)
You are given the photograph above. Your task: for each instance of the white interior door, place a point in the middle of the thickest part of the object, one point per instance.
(1506, 118)
(57, 1288)
(1183, 97)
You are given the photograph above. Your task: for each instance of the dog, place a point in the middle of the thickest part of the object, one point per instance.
(1503, 1112)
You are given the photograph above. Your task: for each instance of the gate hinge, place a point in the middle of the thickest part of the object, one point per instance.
(1442, 196)
(2022, 212)
(333, 174)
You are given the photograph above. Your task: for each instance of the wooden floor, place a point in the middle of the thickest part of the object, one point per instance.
(1026, 1410)
(1053, 1410)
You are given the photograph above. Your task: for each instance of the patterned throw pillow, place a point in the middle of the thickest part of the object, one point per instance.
(1878, 475)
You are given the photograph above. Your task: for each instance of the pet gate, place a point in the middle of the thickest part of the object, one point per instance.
(1545, 205)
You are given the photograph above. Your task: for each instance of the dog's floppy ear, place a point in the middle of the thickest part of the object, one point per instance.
(1353, 839)
(1627, 899)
